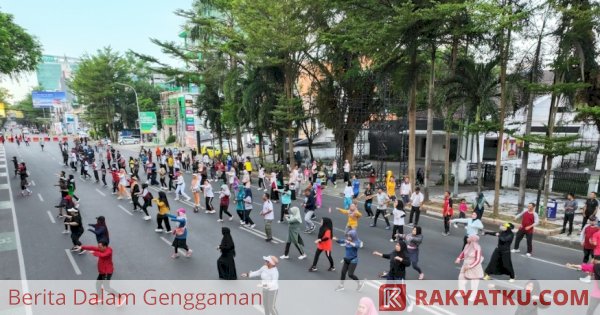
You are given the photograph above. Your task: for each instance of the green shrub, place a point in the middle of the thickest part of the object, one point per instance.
(171, 139)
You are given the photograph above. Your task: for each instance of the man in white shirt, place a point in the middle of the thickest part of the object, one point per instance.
(416, 200)
(381, 202)
(267, 214)
(405, 190)
(346, 171)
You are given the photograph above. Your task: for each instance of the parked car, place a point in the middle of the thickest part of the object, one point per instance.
(128, 140)
(213, 151)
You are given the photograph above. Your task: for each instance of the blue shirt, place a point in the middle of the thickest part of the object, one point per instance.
(182, 223)
(356, 186)
(286, 197)
(351, 251)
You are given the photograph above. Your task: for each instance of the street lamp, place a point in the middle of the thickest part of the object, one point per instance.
(137, 104)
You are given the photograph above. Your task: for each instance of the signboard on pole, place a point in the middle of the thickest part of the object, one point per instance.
(47, 99)
(148, 122)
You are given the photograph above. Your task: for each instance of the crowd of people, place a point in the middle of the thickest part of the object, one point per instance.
(163, 169)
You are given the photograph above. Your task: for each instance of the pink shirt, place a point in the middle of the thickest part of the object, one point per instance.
(590, 268)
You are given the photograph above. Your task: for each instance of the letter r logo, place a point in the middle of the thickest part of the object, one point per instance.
(392, 297)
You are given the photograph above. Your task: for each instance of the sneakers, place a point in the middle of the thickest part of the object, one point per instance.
(176, 198)
(252, 226)
(219, 220)
(455, 225)
(331, 269)
(284, 257)
(147, 218)
(515, 250)
(340, 288)
(65, 232)
(392, 240)
(421, 276)
(279, 221)
(586, 279)
(242, 222)
(188, 253)
(167, 231)
(528, 254)
(175, 256)
(361, 284)
(230, 218)
(372, 225)
(487, 277)
(301, 257)
(312, 269)
(387, 227)
(158, 230)
(511, 280)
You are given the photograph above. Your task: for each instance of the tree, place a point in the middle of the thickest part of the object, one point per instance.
(19, 51)
(94, 84)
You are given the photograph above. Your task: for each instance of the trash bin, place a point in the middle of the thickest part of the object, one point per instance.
(551, 209)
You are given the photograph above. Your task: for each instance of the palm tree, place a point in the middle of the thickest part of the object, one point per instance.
(476, 85)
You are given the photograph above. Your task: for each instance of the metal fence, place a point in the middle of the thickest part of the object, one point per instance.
(564, 182)
(586, 158)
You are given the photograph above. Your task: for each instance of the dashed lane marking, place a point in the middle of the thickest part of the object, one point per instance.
(126, 211)
(73, 262)
(100, 192)
(51, 216)
(40, 196)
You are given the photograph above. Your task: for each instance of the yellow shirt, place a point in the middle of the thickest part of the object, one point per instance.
(170, 161)
(248, 166)
(391, 187)
(162, 207)
(352, 219)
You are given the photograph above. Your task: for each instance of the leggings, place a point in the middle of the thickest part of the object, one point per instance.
(382, 212)
(208, 201)
(136, 202)
(284, 210)
(75, 238)
(247, 218)
(223, 209)
(163, 218)
(261, 183)
(447, 224)
(162, 182)
(104, 179)
(413, 254)
(146, 205)
(368, 210)
(349, 269)
(398, 229)
(327, 254)
(96, 176)
(587, 253)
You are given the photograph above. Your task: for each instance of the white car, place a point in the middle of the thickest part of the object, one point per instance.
(128, 140)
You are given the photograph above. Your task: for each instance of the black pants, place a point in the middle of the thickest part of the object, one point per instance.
(327, 254)
(136, 202)
(103, 282)
(447, 224)
(247, 218)
(284, 210)
(586, 217)
(270, 299)
(159, 221)
(287, 247)
(261, 183)
(104, 179)
(568, 219)
(346, 177)
(223, 209)
(529, 237)
(416, 211)
(382, 212)
(163, 183)
(96, 176)
(75, 238)
(145, 205)
(115, 186)
(368, 205)
(208, 201)
(398, 229)
(349, 269)
(587, 254)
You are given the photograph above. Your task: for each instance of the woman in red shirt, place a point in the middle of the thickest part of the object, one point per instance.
(324, 244)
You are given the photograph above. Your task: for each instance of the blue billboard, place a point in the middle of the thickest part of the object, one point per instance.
(46, 99)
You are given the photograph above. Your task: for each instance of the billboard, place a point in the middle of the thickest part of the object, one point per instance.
(46, 99)
(148, 122)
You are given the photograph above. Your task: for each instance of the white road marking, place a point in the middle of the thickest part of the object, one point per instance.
(545, 261)
(22, 272)
(100, 192)
(260, 234)
(40, 196)
(73, 262)
(126, 211)
(51, 217)
(179, 250)
(32, 183)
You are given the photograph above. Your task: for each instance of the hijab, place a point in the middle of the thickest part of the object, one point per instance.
(353, 235)
(227, 240)
(295, 214)
(225, 190)
(369, 306)
(472, 244)
(327, 225)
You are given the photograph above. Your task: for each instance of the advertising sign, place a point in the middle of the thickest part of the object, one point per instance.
(148, 122)
(46, 99)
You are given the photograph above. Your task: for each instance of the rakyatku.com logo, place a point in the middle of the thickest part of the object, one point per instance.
(392, 297)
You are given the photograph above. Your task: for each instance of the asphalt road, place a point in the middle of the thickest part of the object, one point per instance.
(140, 253)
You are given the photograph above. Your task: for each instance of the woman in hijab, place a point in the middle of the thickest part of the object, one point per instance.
(501, 263)
(471, 268)
(226, 262)
(100, 230)
(224, 197)
(479, 205)
(294, 220)
(399, 260)
(180, 233)
(352, 244)
(366, 307)
(324, 244)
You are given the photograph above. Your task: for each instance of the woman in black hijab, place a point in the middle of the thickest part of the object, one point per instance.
(226, 263)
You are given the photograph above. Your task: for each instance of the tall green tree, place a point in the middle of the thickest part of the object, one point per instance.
(19, 51)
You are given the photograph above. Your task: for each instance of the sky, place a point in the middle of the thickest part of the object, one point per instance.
(75, 27)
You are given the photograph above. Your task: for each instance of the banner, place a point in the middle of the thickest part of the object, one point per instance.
(46, 99)
(148, 122)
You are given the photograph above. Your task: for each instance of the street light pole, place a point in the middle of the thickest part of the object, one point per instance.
(137, 104)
